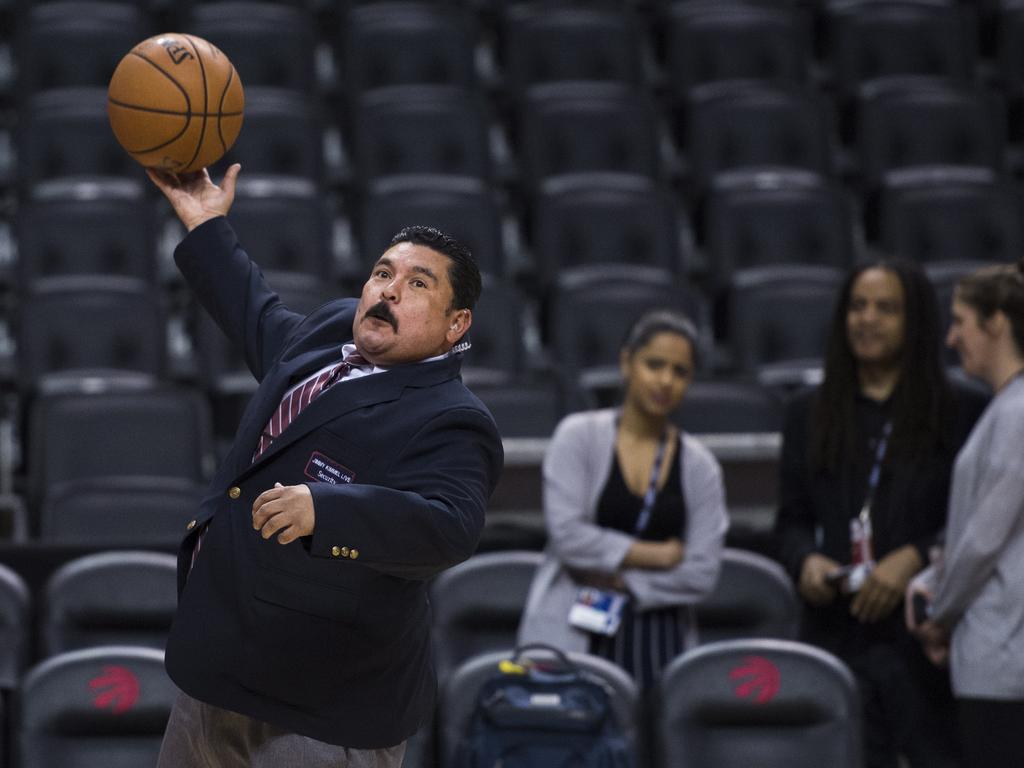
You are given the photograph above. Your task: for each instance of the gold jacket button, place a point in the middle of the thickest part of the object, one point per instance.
(335, 551)
(234, 491)
(191, 525)
(344, 551)
(354, 554)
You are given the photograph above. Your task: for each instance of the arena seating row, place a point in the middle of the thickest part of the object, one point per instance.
(752, 218)
(562, 127)
(739, 80)
(103, 617)
(771, 315)
(727, 158)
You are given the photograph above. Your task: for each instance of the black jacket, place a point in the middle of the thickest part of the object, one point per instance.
(815, 507)
(327, 637)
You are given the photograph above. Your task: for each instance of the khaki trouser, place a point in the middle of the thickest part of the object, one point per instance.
(199, 735)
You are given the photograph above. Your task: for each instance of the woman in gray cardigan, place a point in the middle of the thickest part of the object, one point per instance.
(976, 617)
(639, 571)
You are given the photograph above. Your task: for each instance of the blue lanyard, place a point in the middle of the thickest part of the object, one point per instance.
(876, 470)
(652, 487)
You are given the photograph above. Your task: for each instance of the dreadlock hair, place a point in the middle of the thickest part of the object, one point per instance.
(921, 398)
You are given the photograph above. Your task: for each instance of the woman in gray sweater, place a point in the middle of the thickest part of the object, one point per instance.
(635, 514)
(975, 621)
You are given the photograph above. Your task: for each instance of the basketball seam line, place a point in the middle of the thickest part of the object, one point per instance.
(220, 108)
(168, 75)
(189, 114)
(184, 93)
(206, 99)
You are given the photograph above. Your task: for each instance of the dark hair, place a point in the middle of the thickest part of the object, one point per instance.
(650, 324)
(997, 289)
(463, 272)
(921, 399)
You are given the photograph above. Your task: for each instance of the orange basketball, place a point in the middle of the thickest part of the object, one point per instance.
(175, 102)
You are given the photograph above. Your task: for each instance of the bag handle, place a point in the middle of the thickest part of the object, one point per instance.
(554, 650)
(562, 658)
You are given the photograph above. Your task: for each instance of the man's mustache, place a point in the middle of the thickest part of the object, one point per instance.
(382, 311)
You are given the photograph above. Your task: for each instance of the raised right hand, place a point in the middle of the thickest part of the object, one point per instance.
(194, 196)
(813, 585)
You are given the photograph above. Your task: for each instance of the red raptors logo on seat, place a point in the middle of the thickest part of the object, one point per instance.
(117, 689)
(760, 679)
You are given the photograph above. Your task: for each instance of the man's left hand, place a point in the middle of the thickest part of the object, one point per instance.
(883, 589)
(285, 510)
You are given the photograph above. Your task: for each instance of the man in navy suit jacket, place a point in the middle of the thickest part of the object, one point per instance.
(302, 631)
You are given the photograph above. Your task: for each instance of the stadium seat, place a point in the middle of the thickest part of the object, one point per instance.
(731, 125)
(779, 319)
(405, 43)
(590, 315)
(777, 217)
(98, 226)
(65, 132)
(1008, 24)
(869, 39)
(123, 597)
(951, 214)
(706, 42)
(282, 136)
(152, 431)
(944, 276)
(592, 218)
(269, 44)
(76, 323)
(578, 127)
(458, 698)
(477, 605)
(223, 368)
(754, 597)
(770, 703)
(223, 372)
(76, 42)
(420, 129)
(713, 406)
(101, 707)
(545, 44)
(916, 121)
(284, 225)
(15, 624)
(522, 408)
(118, 511)
(497, 335)
(463, 206)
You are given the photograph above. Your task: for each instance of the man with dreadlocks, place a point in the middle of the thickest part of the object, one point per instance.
(864, 480)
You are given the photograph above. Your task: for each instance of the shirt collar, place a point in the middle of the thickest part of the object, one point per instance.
(348, 349)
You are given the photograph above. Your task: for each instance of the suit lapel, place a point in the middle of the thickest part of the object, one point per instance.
(267, 399)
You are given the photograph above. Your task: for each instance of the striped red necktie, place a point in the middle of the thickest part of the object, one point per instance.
(296, 400)
(288, 410)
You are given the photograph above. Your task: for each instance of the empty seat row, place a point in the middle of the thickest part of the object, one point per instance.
(717, 705)
(686, 43)
(125, 460)
(128, 597)
(561, 128)
(751, 218)
(101, 610)
(81, 366)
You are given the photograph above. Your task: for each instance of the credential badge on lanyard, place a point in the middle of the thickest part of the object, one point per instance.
(862, 554)
(600, 610)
